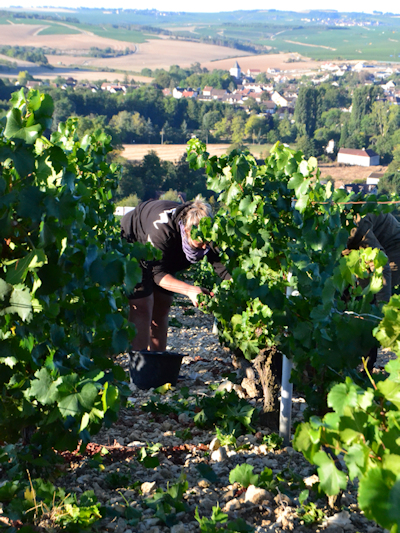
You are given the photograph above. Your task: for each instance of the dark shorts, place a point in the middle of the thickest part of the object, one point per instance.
(147, 286)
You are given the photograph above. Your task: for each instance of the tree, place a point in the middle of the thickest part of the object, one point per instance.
(153, 174)
(390, 182)
(166, 133)
(24, 76)
(286, 130)
(184, 131)
(306, 145)
(123, 128)
(63, 110)
(238, 129)
(148, 130)
(185, 179)
(363, 99)
(307, 110)
(255, 128)
(208, 123)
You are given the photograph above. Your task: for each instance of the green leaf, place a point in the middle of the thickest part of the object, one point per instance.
(332, 480)
(44, 388)
(303, 496)
(343, 395)
(243, 474)
(390, 390)
(78, 402)
(20, 303)
(18, 271)
(377, 497)
(16, 129)
(355, 459)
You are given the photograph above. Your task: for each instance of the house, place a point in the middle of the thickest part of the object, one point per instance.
(207, 90)
(363, 158)
(31, 84)
(69, 83)
(359, 66)
(330, 147)
(189, 93)
(87, 86)
(269, 107)
(374, 177)
(256, 87)
(255, 96)
(253, 72)
(177, 93)
(218, 94)
(113, 88)
(233, 98)
(329, 66)
(278, 99)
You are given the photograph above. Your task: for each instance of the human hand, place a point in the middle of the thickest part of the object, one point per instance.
(194, 293)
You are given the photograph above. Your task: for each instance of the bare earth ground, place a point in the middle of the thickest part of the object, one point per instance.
(186, 449)
(155, 54)
(347, 174)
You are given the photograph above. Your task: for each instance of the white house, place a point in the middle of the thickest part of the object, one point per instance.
(363, 158)
(278, 99)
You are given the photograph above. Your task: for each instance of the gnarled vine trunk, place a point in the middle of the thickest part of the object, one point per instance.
(262, 378)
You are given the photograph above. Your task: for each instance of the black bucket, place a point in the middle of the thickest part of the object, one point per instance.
(153, 369)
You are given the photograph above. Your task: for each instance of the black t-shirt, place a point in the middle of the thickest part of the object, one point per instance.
(157, 222)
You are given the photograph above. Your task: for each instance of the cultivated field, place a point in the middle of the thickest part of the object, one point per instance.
(155, 53)
(161, 53)
(265, 61)
(29, 35)
(348, 173)
(167, 152)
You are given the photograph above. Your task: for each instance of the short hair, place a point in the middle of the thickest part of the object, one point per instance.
(198, 210)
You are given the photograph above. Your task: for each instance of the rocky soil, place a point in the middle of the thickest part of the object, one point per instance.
(122, 482)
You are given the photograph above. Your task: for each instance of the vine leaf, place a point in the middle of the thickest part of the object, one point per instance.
(16, 129)
(332, 480)
(376, 497)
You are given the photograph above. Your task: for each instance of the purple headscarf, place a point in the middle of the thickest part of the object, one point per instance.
(193, 255)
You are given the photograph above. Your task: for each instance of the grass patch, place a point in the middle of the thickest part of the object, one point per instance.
(118, 34)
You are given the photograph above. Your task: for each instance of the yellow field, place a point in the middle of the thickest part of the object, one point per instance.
(167, 152)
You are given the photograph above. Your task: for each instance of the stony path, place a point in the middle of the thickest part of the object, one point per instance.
(188, 453)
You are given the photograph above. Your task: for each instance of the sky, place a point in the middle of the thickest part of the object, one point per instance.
(212, 6)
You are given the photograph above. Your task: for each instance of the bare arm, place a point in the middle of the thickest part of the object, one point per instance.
(170, 283)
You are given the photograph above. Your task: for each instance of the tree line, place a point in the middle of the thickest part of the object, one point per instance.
(26, 53)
